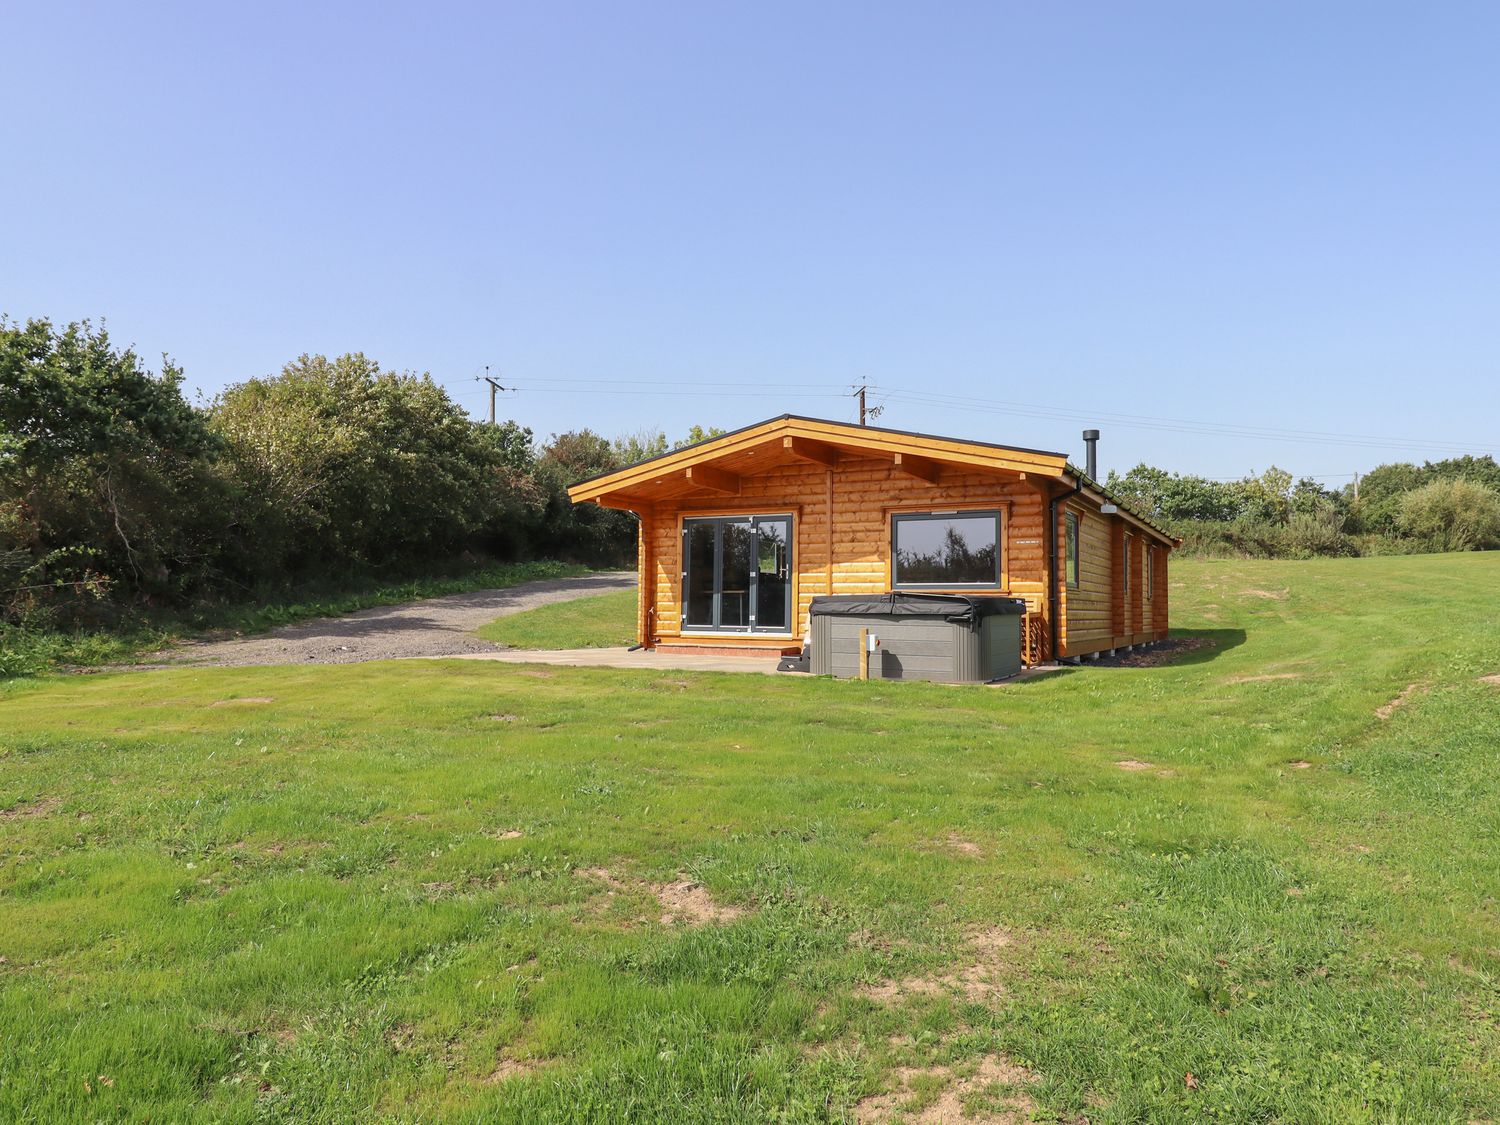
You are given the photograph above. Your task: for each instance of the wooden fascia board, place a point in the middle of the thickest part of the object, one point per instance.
(876, 444)
(673, 464)
(713, 479)
(623, 503)
(834, 438)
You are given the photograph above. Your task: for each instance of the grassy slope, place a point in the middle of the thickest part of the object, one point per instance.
(304, 907)
(25, 652)
(603, 621)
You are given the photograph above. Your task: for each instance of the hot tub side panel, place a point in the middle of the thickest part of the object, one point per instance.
(916, 648)
(999, 647)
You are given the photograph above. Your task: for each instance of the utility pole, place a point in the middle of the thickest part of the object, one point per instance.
(494, 386)
(1356, 487)
(872, 412)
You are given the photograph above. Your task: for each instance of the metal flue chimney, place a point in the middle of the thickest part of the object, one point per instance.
(1091, 458)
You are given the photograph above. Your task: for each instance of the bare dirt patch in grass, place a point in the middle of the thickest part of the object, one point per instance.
(1134, 765)
(1269, 595)
(892, 992)
(243, 699)
(956, 843)
(1495, 679)
(1299, 764)
(401, 1037)
(974, 982)
(996, 1080)
(44, 806)
(687, 903)
(1264, 678)
(505, 718)
(683, 902)
(1385, 711)
(508, 1068)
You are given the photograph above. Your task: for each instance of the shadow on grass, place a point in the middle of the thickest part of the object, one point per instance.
(1219, 641)
(1183, 648)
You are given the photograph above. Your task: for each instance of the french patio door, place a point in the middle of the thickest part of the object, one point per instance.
(737, 574)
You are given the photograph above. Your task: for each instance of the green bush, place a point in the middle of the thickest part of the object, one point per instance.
(1317, 532)
(1452, 515)
(339, 460)
(118, 496)
(109, 481)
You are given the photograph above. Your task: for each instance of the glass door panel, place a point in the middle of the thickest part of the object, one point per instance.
(736, 558)
(737, 573)
(700, 566)
(773, 580)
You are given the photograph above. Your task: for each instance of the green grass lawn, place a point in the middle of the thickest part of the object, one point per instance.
(602, 621)
(432, 891)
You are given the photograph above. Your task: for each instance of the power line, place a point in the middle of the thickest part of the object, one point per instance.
(680, 383)
(1218, 429)
(681, 394)
(804, 390)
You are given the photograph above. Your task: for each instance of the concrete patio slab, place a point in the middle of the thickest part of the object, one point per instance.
(680, 662)
(624, 658)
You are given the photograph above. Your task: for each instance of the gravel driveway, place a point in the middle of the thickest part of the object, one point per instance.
(431, 627)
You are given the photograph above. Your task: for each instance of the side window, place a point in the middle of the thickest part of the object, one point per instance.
(1070, 524)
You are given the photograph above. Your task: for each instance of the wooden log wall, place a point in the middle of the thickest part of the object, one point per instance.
(849, 552)
(1099, 614)
(854, 549)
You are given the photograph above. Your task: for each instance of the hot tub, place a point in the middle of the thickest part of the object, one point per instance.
(947, 638)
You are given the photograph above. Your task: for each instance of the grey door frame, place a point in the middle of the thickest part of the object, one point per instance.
(753, 600)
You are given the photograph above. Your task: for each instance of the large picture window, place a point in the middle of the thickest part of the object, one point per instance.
(945, 550)
(737, 574)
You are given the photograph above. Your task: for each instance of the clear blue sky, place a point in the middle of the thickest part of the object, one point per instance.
(1266, 215)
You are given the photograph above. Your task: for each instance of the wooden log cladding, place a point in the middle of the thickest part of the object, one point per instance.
(1104, 612)
(1158, 624)
(644, 592)
(842, 499)
(851, 553)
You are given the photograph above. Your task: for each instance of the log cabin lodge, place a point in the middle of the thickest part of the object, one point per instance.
(740, 532)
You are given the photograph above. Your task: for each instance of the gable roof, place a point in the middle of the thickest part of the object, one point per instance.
(716, 463)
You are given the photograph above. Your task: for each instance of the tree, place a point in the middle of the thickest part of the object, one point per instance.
(583, 531)
(1308, 496)
(1378, 509)
(1481, 470)
(343, 463)
(1267, 497)
(1175, 499)
(698, 433)
(107, 475)
(639, 446)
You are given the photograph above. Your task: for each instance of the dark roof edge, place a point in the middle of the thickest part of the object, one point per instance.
(808, 418)
(1090, 482)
